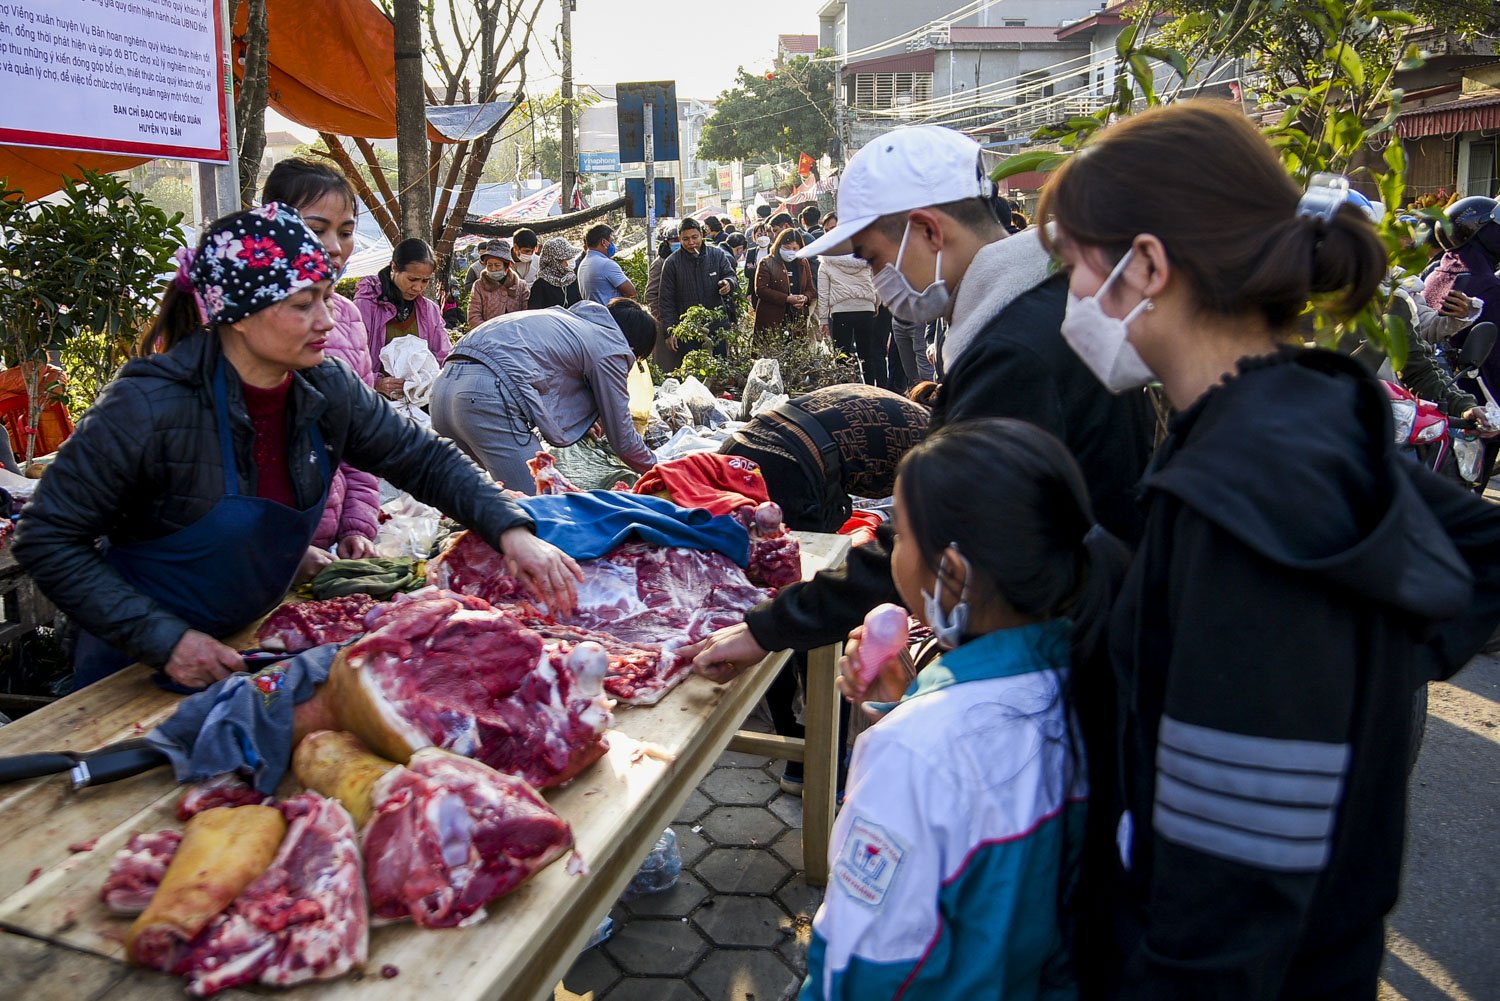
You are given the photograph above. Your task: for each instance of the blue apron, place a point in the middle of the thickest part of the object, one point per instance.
(223, 571)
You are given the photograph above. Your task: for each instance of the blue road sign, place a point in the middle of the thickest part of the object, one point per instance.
(631, 100)
(666, 197)
(598, 163)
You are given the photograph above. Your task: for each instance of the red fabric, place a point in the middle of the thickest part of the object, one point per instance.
(717, 483)
(54, 423)
(861, 527)
(267, 408)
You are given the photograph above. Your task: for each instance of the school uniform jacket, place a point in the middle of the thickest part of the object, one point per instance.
(947, 860)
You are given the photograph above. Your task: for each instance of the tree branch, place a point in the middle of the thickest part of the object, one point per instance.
(335, 151)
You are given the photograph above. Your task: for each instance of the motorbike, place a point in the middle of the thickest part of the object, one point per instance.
(1449, 446)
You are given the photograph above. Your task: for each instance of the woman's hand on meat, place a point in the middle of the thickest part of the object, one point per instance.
(356, 547)
(725, 655)
(198, 660)
(549, 573)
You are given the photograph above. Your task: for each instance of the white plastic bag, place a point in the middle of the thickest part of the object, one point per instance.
(411, 360)
(411, 530)
(698, 398)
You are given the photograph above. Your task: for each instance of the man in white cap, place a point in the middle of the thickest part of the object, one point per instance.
(918, 207)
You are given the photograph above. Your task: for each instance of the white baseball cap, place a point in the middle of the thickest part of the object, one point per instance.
(910, 168)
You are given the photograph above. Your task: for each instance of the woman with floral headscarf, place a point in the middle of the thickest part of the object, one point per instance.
(204, 466)
(557, 278)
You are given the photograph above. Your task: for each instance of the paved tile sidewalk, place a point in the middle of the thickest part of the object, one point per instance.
(736, 925)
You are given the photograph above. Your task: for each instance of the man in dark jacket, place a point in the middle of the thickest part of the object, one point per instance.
(697, 274)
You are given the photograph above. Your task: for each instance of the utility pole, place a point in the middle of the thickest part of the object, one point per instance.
(569, 154)
(412, 167)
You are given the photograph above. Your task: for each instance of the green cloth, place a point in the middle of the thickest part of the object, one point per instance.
(379, 578)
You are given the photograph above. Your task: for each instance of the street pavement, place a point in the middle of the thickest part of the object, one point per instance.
(735, 928)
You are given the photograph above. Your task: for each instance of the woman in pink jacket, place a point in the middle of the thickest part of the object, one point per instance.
(394, 304)
(351, 517)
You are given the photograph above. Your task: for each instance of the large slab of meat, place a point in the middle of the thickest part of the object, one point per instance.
(450, 671)
(641, 603)
(449, 835)
(305, 918)
(306, 624)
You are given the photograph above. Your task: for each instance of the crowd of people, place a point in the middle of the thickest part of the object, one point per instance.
(1158, 746)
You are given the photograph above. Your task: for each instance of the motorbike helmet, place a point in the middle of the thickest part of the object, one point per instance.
(1473, 219)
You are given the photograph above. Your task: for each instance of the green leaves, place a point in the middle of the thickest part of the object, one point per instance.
(1038, 159)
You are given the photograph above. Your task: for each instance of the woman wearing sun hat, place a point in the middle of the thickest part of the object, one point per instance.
(205, 464)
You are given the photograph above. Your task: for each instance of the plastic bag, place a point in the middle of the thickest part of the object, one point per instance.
(764, 378)
(412, 529)
(670, 408)
(642, 393)
(592, 465)
(699, 400)
(660, 870)
(411, 360)
(766, 402)
(688, 441)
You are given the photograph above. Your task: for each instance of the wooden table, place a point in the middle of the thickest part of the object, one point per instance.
(617, 809)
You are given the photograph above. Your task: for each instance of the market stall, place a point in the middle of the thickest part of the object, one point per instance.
(60, 843)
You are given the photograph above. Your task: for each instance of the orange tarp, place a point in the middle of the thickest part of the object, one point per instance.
(332, 65)
(37, 172)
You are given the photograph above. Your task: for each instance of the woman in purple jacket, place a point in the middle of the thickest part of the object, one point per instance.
(394, 304)
(324, 197)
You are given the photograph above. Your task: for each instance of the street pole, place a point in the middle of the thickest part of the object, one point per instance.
(650, 183)
(218, 185)
(569, 155)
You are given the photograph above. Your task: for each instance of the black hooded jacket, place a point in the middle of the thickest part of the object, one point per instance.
(144, 463)
(1297, 581)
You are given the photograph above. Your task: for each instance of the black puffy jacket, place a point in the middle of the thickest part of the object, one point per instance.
(144, 463)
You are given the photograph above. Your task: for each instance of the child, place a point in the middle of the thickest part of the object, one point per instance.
(955, 848)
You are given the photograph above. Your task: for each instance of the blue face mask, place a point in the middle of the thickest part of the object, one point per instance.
(676, 246)
(609, 251)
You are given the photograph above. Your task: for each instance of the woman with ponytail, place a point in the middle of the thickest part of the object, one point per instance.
(204, 467)
(1296, 582)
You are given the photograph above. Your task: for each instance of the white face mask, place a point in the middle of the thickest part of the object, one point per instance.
(788, 255)
(1103, 341)
(905, 302)
(762, 242)
(947, 627)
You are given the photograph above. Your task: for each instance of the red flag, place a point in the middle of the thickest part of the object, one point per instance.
(805, 164)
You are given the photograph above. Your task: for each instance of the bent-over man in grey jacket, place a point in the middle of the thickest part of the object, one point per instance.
(548, 372)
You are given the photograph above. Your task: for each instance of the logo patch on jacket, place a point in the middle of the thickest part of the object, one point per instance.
(868, 862)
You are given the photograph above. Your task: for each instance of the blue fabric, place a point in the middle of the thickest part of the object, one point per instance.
(589, 524)
(243, 724)
(226, 569)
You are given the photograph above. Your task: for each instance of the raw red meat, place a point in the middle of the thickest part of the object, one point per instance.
(775, 554)
(439, 671)
(224, 790)
(307, 624)
(305, 918)
(549, 479)
(641, 603)
(137, 870)
(449, 835)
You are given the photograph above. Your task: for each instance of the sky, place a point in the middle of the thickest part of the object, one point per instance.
(698, 45)
(622, 40)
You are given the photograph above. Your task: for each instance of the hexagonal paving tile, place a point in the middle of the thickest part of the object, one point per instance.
(739, 759)
(651, 989)
(677, 902)
(663, 947)
(738, 974)
(592, 974)
(743, 921)
(739, 787)
(691, 846)
(788, 808)
(741, 825)
(742, 870)
(799, 898)
(696, 805)
(794, 949)
(789, 847)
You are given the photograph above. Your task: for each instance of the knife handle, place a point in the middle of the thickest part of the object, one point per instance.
(30, 766)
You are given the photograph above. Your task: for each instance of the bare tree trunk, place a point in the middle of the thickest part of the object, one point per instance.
(382, 183)
(412, 167)
(250, 102)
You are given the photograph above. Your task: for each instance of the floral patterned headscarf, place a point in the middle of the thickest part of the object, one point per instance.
(557, 262)
(251, 260)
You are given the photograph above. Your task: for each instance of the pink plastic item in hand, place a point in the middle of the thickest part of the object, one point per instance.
(885, 637)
